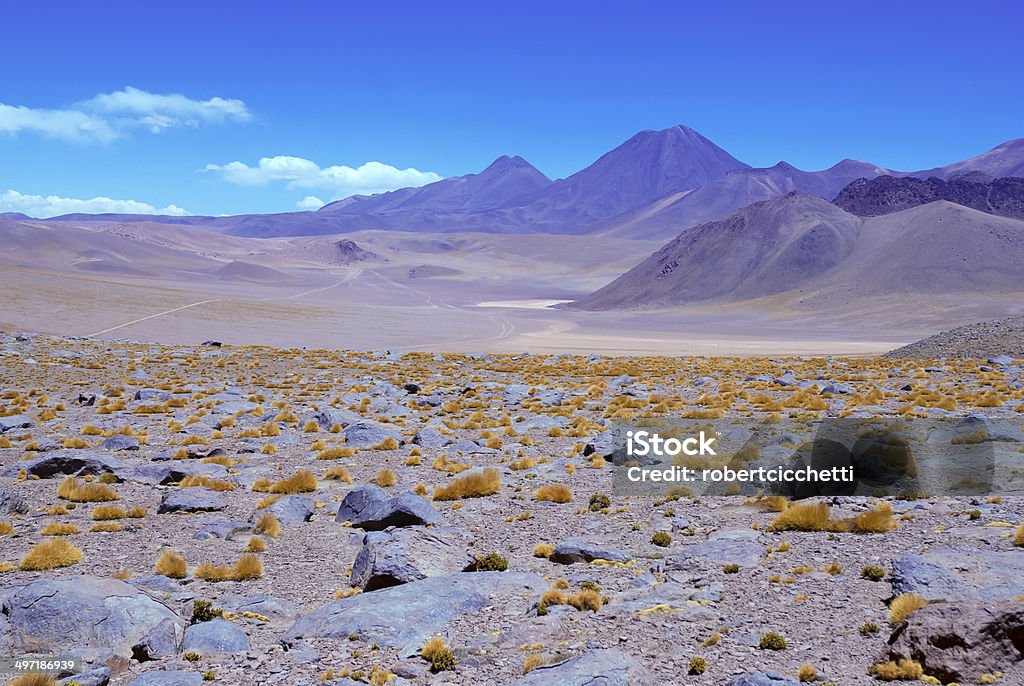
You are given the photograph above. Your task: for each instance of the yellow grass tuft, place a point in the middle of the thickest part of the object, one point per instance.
(6, 528)
(103, 512)
(543, 550)
(335, 453)
(385, 478)
(555, 493)
(903, 670)
(59, 529)
(586, 599)
(248, 566)
(807, 673)
(802, 517)
(338, 474)
(440, 656)
(198, 480)
(171, 564)
(52, 554)
(75, 443)
(256, 545)
(1018, 537)
(302, 481)
(77, 492)
(33, 679)
(478, 484)
(270, 525)
(902, 606)
(873, 521)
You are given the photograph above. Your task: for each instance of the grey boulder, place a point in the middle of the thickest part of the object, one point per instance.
(961, 641)
(68, 463)
(604, 667)
(575, 550)
(368, 507)
(102, 618)
(398, 556)
(722, 548)
(292, 509)
(960, 574)
(15, 421)
(225, 529)
(405, 616)
(216, 637)
(11, 503)
(430, 438)
(364, 434)
(120, 442)
(196, 499)
(170, 677)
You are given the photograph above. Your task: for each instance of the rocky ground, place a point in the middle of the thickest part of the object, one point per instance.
(198, 445)
(983, 340)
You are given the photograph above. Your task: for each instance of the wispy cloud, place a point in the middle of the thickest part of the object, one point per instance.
(54, 205)
(339, 180)
(109, 116)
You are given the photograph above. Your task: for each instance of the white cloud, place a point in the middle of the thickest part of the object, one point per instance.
(111, 115)
(54, 205)
(340, 180)
(310, 202)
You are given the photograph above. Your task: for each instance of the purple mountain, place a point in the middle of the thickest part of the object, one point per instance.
(648, 166)
(1003, 160)
(668, 216)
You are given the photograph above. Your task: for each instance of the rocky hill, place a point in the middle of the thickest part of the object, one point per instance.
(887, 194)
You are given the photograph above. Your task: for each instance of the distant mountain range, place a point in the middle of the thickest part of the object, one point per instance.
(905, 242)
(654, 185)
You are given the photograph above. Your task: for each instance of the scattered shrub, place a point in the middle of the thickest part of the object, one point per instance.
(338, 473)
(555, 493)
(269, 524)
(194, 480)
(586, 599)
(599, 501)
(869, 628)
(51, 554)
(104, 512)
(106, 527)
(385, 478)
(902, 670)
(302, 481)
(491, 562)
(873, 573)
(807, 673)
(543, 550)
(662, 539)
(256, 545)
(171, 564)
(6, 528)
(77, 492)
(59, 529)
(802, 517)
(902, 606)
(204, 611)
(478, 484)
(698, 666)
(440, 656)
(772, 641)
(731, 568)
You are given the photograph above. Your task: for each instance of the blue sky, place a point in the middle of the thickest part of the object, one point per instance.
(153, 102)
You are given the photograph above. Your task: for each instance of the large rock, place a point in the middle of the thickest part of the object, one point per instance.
(120, 442)
(430, 438)
(93, 618)
(216, 637)
(368, 507)
(961, 641)
(15, 421)
(762, 679)
(68, 463)
(721, 548)
(171, 677)
(578, 550)
(162, 641)
(398, 556)
(292, 509)
(332, 417)
(364, 434)
(604, 667)
(196, 499)
(960, 574)
(405, 616)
